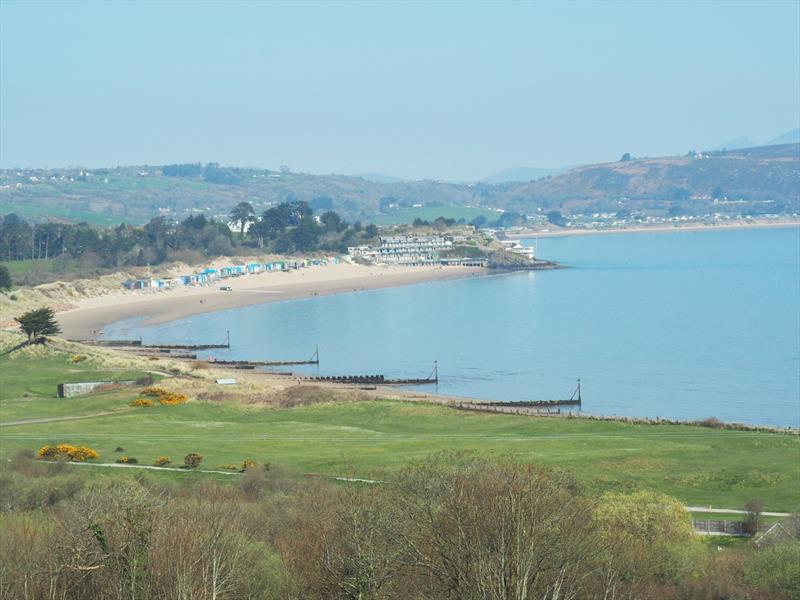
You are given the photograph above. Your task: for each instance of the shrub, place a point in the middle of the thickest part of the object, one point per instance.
(161, 461)
(127, 460)
(145, 402)
(164, 396)
(119, 449)
(67, 452)
(776, 569)
(229, 467)
(248, 464)
(712, 422)
(78, 358)
(192, 460)
(145, 380)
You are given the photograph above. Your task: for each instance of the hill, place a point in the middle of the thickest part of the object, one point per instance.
(752, 176)
(523, 174)
(760, 180)
(790, 137)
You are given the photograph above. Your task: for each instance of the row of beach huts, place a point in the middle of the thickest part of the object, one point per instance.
(210, 275)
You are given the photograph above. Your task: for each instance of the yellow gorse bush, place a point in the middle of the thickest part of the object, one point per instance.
(67, 452)
(142, 402)
(164, 396)
(161, 461)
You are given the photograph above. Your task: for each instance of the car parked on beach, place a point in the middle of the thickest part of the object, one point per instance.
(226, 288)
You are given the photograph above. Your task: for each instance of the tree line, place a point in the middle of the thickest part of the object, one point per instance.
(286, 228)
(452, 526)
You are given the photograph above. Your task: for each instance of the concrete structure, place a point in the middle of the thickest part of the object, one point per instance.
(404, 250)
(69, 390)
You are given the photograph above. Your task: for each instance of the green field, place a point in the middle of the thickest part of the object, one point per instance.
(56, 210)
(699, 466)
(431, 213)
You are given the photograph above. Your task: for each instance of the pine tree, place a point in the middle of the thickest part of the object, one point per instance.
(39, 322)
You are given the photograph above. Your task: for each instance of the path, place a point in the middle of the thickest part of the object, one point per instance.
(56, 419)
(151, 467)
(733, 511)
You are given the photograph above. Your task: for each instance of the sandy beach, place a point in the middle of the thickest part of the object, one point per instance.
(654, 229)
(92, 314)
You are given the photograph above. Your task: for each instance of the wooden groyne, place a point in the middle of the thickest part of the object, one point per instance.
(525, 406)
(369, 379)
(114, 343)
(246, 364)
(168, 347)
(137, 344)
(378, 379)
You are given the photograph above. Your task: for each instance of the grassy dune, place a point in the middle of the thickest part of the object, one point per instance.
(697, 465)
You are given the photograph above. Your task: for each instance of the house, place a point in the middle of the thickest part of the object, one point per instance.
(781, 532)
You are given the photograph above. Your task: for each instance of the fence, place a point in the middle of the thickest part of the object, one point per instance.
(712, 526)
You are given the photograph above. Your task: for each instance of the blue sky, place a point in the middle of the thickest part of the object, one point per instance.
(420, 90)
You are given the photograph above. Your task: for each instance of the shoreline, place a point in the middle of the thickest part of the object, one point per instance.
(87, 320)
(530, 234)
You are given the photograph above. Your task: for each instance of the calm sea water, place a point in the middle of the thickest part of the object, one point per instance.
(678, 325)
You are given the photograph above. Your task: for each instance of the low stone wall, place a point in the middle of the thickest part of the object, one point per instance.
(68, 390)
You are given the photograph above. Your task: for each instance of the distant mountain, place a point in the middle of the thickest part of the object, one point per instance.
(518, 174)
(380, 178)
(736, 144)
(760, 174)
(790, 137)
(756, 180)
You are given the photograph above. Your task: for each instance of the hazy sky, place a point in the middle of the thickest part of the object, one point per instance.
(449, 90)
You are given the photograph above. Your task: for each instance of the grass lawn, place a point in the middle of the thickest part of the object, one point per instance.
(699, 466)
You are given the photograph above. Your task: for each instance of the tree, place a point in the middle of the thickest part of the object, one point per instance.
(306, 235)
(479, 221)
(242, 214)
(192, 460)
(371, 230)
(332, 222)
(754, 508)
(38, 322)
(645, 536)
(556, 218)
(5, 278)
(626, 157)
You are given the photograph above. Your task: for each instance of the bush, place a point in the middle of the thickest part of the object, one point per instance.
(192, 460)
(78, 358)
(125, 460)
(67, 452)
(164, 396)
(145, 402)
(161, 461)
(776, 568)
(712, 422)
(119, 449)
(247, 465)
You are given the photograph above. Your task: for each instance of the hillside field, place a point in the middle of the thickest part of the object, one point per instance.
(699, 466)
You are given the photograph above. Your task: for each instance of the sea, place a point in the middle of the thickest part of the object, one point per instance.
(677, 325)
